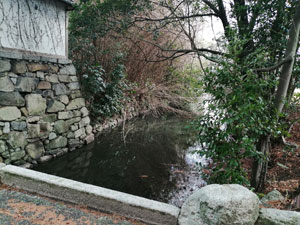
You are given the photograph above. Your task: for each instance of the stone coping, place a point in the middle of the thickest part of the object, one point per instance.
(146, 210)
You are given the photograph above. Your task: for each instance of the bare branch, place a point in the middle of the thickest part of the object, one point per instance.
(267, 69)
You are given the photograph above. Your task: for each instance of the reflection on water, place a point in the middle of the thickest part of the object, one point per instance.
(150, 158)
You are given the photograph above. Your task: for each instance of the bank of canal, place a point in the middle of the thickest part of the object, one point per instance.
(151, 158)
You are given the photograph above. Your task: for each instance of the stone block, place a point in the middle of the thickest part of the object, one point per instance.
(48, 94)
(68, 70)
(53, 68)
(52, 136)
(9, 113)
(14, 156)
(26, 84)
(19, 67)
(6, 85)
(4, 66)
(3, 146)
(60, 89)
(53, 78)
(55, 106)
(65, 115)
(40, 75)
(84, 112)
(64, 78)
(11, 99)
(35, 150)
(6, 128)
(49, 118)
(89, 139)
(34, 67)
(58, 142)
(18, 126)
(73, 120)
(73, 86)
(75, 94)
(64, 99)
(84, 122)
(73, 78)
(17, 139)
(44, 85)
(61, 126)
(35, 104)
(76, 103)
(79, 133)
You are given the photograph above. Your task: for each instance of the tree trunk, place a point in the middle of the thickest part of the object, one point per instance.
(260, 167)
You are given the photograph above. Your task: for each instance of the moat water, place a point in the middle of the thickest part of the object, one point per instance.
(151, 158)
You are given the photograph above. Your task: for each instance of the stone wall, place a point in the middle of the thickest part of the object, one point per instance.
(42, 111)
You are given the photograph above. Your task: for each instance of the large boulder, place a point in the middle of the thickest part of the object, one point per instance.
(220, 204)
(268, 216)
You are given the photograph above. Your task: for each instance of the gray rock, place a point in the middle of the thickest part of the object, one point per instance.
(24, 111)
(4, 66)
(17, 139)
(32, 119)
(73, 86)
(84, 122)
(61, 126)
(220, 204)
(35, 150)
(74, 143)
(75, 94)
(73, 78)
(9, 113)
(6, 85)
(19, 126)
(58, 142)
(89, 139)
(65, 115)
(6, 128)
(34, 130)
(64, 99)
(76, 113)
(55, 106)
(68, 70)
(26, 84)
(44, 85)
(49, 118)
(84, 111)
(35, 104)
(73, 120)
(53, 78)
(76, 103)
(19, 67)
(273, 196)
(17, 155)
(40, 75)
(52, 136)
(11, 99)
(34, 67)
(269, 216)
(89, 129)
(64, 78)
(60, 89)
(3, 146)
(79, 133)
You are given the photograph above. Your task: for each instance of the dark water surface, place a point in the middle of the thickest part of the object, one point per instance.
(150, 158)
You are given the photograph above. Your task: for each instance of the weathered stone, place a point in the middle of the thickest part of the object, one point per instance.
(220, 204)
(65, 115)
(61, 126)
(71, 135)
(33, 67)
(11, 99)
(273, 196)
(64, 78)
(89, 129)
(6, 128)
(76, 103)
(55, 106)
(19, 67)
(17, 139)
(74, 143)
(3, 146)
(9, 113)
(76, 113)
(84, 111)
(52, 78)
(79, 133)
(49, 118)
(68, 70)
(35, 150)
(75, 94)
(19, 126)
(84, 122)
(32, 119)
(35, 104)
(40, 75)
(6, 155)
(6, 85)
(34, 130)
(45, 128)
(60, 89)
(73, 120)
(13, 80)
(73, 86)
(44, 85)
(17, 155)
(53, 68)
(24, 111)
(58, 142)
(73, 78)
(277, 217)
(48, 94)
(89, 139)
(4, 66)
(26, 84)
(52, 136)
(64, 99)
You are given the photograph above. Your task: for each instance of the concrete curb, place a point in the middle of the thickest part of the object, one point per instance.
(148, 211)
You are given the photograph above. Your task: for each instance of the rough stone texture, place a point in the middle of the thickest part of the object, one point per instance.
(17, 139)
(79, 133)
(9, 113)
(35, 150)
(35, 104)
(4, 66)
(3, 146)
(84, 111)
(53, 78)
(68, 70)
(33, 67)
(73, 86)
(277, 217)
(76, 103)
(19, 126)
(64, 99)
(65, 115)
(44, 85)
(6, 128)
(17, 155)
(61, 126)
(272, 196)
(19, 67)
(60, 89)
(55, 106)
(58, 142)
(11, 99)
(26, 84)
(6, 85)
(220, 204)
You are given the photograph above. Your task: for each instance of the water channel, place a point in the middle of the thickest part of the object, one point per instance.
(151, 158)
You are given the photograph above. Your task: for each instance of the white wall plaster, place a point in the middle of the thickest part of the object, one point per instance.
(33, 25)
